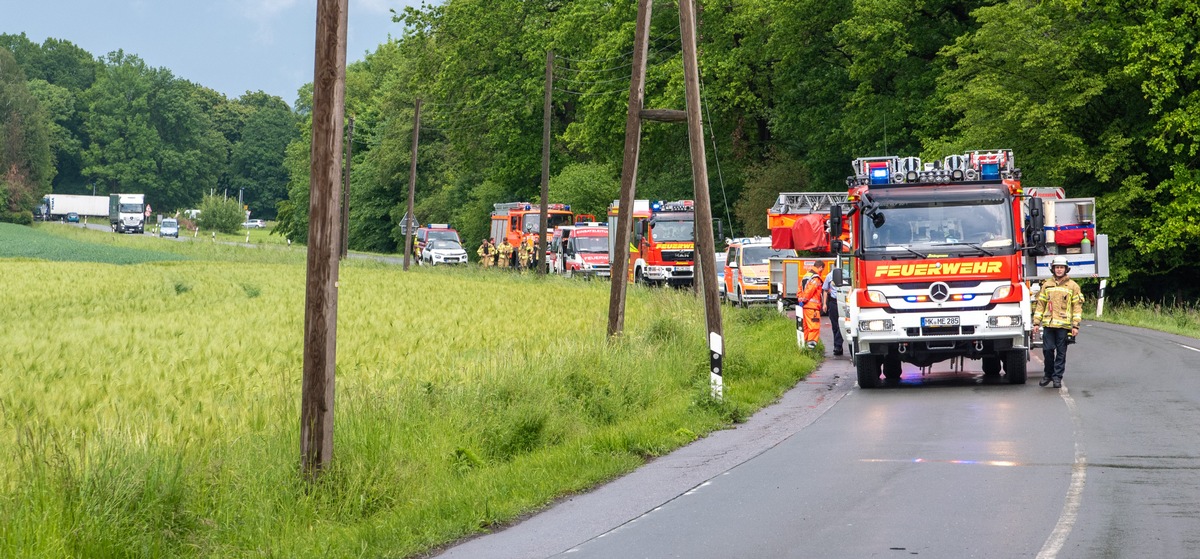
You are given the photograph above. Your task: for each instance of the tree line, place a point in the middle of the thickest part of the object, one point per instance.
(1097, 97)
(113, 124)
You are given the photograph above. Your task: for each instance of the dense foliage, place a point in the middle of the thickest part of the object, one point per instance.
(114, 124)
(218, 213)
(1099, 97)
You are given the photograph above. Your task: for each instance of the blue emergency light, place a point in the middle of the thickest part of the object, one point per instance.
(989, 171)
(879, 175)
(656, 206)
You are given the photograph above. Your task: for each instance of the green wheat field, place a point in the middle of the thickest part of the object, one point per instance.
(150, 397)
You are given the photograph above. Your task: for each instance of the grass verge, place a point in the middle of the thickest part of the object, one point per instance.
(153, 409)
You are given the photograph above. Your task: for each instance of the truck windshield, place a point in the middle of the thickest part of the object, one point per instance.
(950, 227)
(673, 231)
(531, 223)
(591, 244)
(443, 234)
(131, 208)
(762, 255)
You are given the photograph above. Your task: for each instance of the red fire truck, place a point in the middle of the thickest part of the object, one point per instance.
(663, 242)
(521, 221)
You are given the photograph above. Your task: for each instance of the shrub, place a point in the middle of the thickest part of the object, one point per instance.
(221, 214)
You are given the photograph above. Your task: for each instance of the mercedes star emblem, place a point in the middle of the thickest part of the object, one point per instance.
(939, 291)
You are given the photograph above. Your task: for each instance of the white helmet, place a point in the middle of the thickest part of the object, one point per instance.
(1060, 261)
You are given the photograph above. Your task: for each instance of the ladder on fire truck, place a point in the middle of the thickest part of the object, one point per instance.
(808, 202)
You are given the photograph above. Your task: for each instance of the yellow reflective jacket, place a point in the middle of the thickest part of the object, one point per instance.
(1059, 304)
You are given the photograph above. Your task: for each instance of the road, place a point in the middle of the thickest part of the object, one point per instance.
(944, 465)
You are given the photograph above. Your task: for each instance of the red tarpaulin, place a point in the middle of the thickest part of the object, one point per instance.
(781, 238)
(808, 232)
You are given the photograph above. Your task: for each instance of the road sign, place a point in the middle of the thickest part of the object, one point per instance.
(148, 210)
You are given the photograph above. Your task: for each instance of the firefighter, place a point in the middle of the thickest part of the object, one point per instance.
(485, 254)
(1059, 308)
(416, 249)
(523, 256)
(505, 251)
(809, 300)
(530, 253)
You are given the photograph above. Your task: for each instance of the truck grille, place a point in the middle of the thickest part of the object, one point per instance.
(676, 255)
(941, 331)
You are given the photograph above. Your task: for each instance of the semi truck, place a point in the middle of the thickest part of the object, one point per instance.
(662, 250)
(59, 205)
(127, 213)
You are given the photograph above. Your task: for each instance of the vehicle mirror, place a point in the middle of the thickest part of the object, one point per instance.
(835, 245)
(838, 278)
(1035, 235)
(732, 264)
(835, 221)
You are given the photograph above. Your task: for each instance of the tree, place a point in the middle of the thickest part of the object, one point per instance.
(257, 159)
(26, 163)
(587, 187)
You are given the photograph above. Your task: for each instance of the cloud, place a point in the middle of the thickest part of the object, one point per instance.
(265, 10)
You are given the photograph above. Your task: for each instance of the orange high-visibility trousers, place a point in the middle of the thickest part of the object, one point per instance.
(811, 324)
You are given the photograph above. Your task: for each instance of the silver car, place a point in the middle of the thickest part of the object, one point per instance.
(168, 228)
(443, 251)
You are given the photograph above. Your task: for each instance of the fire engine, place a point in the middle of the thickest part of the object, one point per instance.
(663, 243)
(521, 221)
(580, 249)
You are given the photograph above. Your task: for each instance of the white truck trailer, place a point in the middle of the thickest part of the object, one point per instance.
(60, 205)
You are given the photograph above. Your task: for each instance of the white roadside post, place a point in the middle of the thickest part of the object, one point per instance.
(716, 378)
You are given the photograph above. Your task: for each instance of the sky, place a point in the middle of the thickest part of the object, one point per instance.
(231, 46)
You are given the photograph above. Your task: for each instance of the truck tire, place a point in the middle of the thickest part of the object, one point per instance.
(1015, 366)
(742, 298)
(991, 366)
(868, 370)
(892, 367)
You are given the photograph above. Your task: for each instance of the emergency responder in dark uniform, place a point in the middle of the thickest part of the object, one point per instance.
(831, 310)
(1059, 308)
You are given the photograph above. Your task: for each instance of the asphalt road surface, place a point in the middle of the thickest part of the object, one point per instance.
(943, 465)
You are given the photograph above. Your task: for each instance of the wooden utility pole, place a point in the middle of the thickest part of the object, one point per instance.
(320, 312)
(633, 145)
(346, 191)
(409, 218)
(705, 252)
(545, 212)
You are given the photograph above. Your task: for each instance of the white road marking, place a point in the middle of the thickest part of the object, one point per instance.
(1187, 347)
(1070, 510)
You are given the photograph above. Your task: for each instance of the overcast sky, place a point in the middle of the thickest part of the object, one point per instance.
(232, 46)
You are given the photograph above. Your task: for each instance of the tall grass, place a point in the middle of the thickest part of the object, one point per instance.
(1182, 318)
(153, 409)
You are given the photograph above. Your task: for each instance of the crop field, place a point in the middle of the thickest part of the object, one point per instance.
(150, 407)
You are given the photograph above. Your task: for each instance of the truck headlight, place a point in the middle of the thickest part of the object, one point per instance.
(875, 325)
(1003, 321)
(877, 297)
(1002, 291)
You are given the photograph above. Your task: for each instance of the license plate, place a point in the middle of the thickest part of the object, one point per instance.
(940, 321)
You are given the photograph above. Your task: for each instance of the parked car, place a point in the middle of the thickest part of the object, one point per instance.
(254, 224)
(721, 273)
(443, 251)
(72, 217)
(168, 228)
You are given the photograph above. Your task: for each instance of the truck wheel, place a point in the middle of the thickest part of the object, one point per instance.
(742, 299)
(991, 366)
(868, 371)
(891, 367)
(1015, 362)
